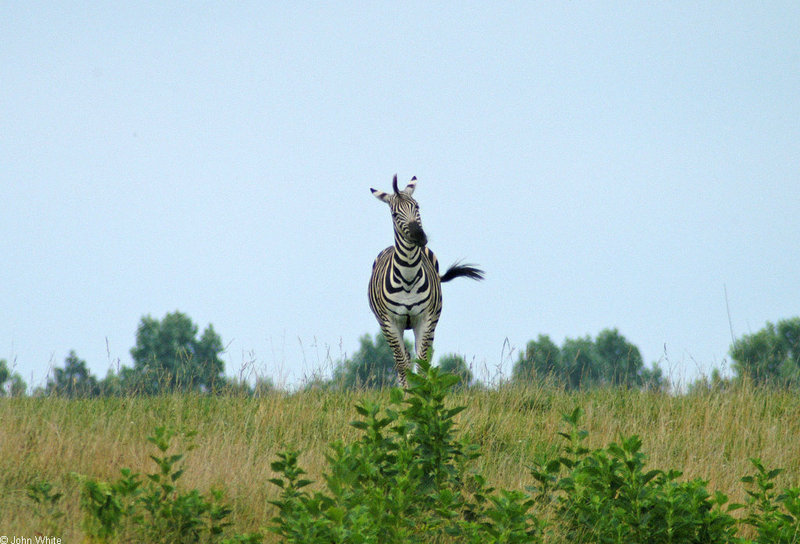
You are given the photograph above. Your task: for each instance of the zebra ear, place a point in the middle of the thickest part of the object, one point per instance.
(394, 185)
(409, 190)
(380, 195)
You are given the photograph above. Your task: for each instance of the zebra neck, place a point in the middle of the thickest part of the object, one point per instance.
(407, 260)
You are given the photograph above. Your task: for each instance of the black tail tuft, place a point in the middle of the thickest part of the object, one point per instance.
(466, 270)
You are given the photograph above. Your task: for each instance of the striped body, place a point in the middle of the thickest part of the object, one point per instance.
(405, 291)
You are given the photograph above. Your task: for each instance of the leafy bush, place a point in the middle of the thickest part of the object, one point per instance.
(155, 509)
(406, 480)
(606, 496)
(46, 503)
(775, 516)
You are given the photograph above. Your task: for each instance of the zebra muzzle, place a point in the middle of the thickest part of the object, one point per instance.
(416, 235)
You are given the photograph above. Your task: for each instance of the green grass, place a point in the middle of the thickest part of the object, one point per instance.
(710, 436)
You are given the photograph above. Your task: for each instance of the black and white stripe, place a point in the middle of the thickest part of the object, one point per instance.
(405, 290)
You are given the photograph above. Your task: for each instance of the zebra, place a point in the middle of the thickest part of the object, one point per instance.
(405, 290)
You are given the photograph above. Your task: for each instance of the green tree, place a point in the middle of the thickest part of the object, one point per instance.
(168, 356)
(372, 366)
(264, 386)
(581, 362)
(621, 361)
(455, 364)
(608, 360)
(705, 384)
(653, 379)
(541, 359)
(770, 356)
(74, 380)
(112, 384)
(11, 383)
(789, 334)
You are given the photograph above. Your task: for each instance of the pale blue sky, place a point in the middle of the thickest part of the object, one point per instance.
(607, 164)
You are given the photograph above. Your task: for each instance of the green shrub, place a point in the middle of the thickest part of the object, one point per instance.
(155, 509)
(775, 516)
(407, 479)
(46, 503)
(606, 496)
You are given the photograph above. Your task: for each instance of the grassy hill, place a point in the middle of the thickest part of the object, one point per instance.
(709, 436)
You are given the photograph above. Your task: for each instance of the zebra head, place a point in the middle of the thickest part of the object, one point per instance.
(405, 213)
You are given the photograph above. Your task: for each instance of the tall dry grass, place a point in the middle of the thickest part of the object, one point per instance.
(710, 436)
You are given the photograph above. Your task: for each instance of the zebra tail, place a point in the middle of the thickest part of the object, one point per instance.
(466, 270)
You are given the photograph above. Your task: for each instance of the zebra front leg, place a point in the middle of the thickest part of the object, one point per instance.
(423, 339)
(402, 361)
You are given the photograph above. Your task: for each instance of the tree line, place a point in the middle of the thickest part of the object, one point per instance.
(169, 356)
(581, 363)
